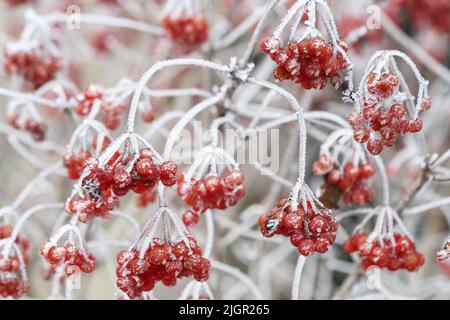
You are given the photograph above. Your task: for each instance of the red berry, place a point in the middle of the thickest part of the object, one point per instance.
(168, 173)
(306, 247)
(415, 125)
(375, 146)
(190, 218)
(361, 135)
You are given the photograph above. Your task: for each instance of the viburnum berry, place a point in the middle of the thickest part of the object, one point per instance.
(392, 254)
(35, 65)
(168, 173)
(162, 261)
(352, 182)
(375, 146)
(212, 192)
(103, 186)
(381, 108)
(378, 126)
(310, 62)
(11, 263)
(190, 218)
(187, 30)
(12, 282)
(71, 256)
(35, 128)
(323, 165)
(148, 115)
(111, 109)
(75, 161)
(99, 198)
(308, 231)
(382, 86)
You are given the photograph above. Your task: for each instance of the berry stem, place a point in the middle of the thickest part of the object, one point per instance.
(384, 179)
(257, 33)
(238, 31)
(238, 274)
(30, 97)
(297, 277)
(209, 234)
(110, 21)
(157, 67)
(23, 218)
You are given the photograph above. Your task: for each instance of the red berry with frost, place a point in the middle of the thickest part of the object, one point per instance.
(375, 146)
(168, 173)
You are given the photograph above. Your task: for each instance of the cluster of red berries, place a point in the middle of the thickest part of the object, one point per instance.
(310, 62)
(75, 163)
(423, 13)
(393, 255)
(70, 255)
(13, 287)
(213, 192)
(162, 261)
(308, 231)
(104, 186)
(377, 125)
(11, 263)
(35, 128)
(188, 31)
(352, 182)
(111, 110)
(11, 284)
(99, 198)
(35, 66)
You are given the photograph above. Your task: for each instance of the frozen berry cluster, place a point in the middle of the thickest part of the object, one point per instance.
(188, 31)
(392, 255)
(35, 128)
(34, 66)
(308, 231)
(162, 262)
(104, 186)
(310, 62)
(75, 162)
(13, 287)
(382, 118)
(11, 283)
(72, 257)
(212, 192)
(111, 110)
(352, 182)
(99, 197)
